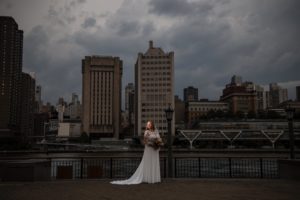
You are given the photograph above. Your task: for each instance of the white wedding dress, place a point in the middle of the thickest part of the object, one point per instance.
(149, 169)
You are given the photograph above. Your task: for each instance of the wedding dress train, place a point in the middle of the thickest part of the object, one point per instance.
(149, 169)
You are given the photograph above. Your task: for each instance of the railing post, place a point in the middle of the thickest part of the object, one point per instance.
(261, 167)
(230, 166)
(81, 168)
(175, 159)
(111, 168)
(165, 166)
(199, 168)
(51, 168)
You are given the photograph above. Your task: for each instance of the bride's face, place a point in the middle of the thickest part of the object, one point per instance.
(149, 125)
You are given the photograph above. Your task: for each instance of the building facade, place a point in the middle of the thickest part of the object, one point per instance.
(236, 80)
(298, 93)
(179, 112)
(240, 97)
(129, 89)
(197, 109)
(38, 98)
(73, 109)
(27, 105)
(190, 94)
(154, 88)
(277, 95)
(101, 96)
(261, 98)
(69, 129)
(129, 104)
(11, 50)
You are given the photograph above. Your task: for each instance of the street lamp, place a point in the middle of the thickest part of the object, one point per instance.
(169, 115)
(290, 116)
(45, 123)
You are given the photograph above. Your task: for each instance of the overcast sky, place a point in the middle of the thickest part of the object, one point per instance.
(212, 40)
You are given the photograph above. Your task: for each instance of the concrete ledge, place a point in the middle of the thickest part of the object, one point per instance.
(25, 170)
(289, 169)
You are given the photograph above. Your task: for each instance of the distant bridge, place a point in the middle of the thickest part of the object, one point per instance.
(233, 136)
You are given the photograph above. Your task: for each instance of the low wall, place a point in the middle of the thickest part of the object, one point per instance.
(25, 170)
(289, 169)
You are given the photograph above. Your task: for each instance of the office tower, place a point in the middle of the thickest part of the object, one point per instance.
(241, 97)
(190, 94)
(236, 80)
(154, 88)
(61, 101)
(129, 102)
(101, 96)
(277, 95)
(40, 120)
(38, 93)
(261, 97)
(38, 98)
(27, 104)
(75, 98)
(195, 110)
(128, 89)
(11, 48)
(73, 109)
(298, 93)
(179, 111)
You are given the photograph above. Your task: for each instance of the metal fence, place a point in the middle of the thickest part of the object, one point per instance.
(193, 167)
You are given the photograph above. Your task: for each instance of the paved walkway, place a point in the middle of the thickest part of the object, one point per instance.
(187, 189)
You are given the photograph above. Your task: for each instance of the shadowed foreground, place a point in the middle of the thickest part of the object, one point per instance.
(210, 189)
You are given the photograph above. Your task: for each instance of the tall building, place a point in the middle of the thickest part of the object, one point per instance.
(236, 80)
(38, 98)
(190, 94)
(73, 109)
(154, 88)
(128, 90)
(196, 109)
(240, 97)
(179, 111)
(298, 93)
(40, 119)
(11, 49)
(27, 105)
(129, 102)
(101, 96)
(277, 95)
(261, 97)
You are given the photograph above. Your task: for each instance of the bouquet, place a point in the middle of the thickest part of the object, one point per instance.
(155, 143)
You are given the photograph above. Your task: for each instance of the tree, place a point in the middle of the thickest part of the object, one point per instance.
(240, 114)
(211, 114)
(220, 114)
(84, 138)
(251, 115)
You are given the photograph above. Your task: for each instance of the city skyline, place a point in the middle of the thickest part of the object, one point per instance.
(212, 41)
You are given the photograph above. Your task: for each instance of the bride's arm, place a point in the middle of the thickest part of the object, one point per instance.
(146, 134)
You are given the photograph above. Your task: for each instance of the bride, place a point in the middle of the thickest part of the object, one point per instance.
(149, 169)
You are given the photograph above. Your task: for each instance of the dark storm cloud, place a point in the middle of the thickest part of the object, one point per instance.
(89, 22)
(124, 27)
(178, 7)
(212, 40)
(256, 39)
(35, 44)
(77, 2)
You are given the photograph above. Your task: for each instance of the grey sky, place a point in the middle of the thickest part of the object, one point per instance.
(212, 40)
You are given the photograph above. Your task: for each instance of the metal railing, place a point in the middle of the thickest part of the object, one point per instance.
(228, 167)
(193, 167)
